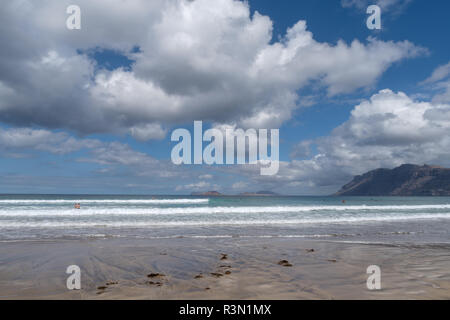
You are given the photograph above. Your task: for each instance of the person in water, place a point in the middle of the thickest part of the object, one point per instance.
(77, 206)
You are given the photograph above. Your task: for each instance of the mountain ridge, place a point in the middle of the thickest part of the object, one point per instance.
(405, 180)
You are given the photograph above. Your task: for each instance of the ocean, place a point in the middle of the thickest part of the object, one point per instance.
(410, 220)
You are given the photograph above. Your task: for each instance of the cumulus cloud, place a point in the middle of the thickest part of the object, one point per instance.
(148, 132)
(302, 149)
(387, 130)
(221, 66)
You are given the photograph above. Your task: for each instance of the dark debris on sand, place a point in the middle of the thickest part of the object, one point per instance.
(154, 275)
(216, 274)
(104, 287)
(284, 263)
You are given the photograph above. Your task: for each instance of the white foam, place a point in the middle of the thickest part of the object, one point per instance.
(229, 236)
(126, 211)
(230, 222)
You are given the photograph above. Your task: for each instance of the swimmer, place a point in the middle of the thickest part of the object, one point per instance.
(77, 206)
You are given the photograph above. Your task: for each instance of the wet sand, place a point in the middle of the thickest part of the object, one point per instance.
(272, 268)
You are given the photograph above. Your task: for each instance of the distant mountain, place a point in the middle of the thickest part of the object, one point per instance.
(406, 180)
(208, 193)
(259, 193)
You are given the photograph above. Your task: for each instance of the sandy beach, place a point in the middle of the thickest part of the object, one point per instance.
(235, 268)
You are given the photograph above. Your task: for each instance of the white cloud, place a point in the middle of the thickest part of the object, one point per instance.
(387, 130)
(198, 186)
(196, 61)
(43, 140)
(439, 82)
(239, 185)
(391, 6)
(438, 74)
(148, 132)
(302, 149)
(18, 142)
(115, 153)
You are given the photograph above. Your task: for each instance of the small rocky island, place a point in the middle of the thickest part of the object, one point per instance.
(406, 180)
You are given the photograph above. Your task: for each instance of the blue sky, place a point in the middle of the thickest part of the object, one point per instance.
(92, 110)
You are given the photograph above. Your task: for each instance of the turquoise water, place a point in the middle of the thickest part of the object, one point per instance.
(373, 219)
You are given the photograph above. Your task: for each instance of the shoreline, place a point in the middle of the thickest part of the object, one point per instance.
(197, 269)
